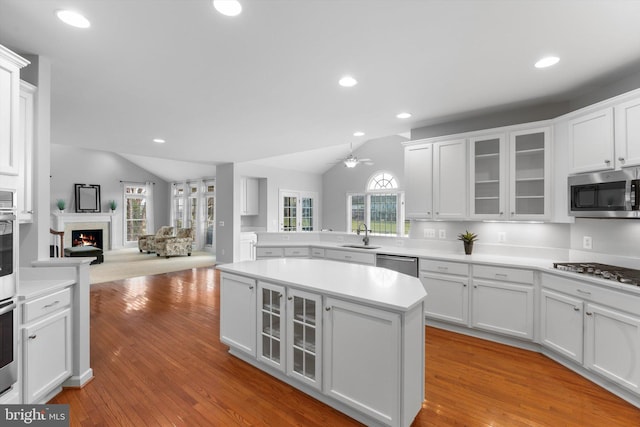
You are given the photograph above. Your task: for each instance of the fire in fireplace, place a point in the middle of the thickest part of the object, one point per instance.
(86, 238)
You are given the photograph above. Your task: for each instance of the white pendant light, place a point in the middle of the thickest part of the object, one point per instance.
(228, 7)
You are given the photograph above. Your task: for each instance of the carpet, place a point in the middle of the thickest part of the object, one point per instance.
(129, 262)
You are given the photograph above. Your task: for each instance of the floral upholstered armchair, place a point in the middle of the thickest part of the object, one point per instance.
(147, 242)
(180, 244)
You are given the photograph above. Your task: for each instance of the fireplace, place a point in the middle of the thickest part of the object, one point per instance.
(87, 238)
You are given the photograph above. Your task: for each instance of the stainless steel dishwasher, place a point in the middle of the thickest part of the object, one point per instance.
(402, 264)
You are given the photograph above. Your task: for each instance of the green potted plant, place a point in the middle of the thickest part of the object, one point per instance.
(61, 204)
(113, 205)
(468, 239)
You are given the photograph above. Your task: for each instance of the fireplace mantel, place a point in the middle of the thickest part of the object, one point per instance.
(63, 221)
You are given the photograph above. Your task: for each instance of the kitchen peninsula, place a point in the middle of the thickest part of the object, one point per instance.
(350, 335)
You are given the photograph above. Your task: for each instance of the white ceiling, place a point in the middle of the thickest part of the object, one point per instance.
(264, 84)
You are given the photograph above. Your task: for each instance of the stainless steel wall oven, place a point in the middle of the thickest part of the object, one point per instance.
(8, 257)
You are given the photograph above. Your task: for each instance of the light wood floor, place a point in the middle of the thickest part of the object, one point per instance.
(157, 361)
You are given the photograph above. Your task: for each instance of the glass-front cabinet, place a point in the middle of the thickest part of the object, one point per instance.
(304, 337)
(488, 175)
(510, 173)
(271, 315)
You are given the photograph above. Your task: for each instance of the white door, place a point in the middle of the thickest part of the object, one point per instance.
(591, 141)
(561, 324)
(612, 345)
(418, 181)
(304, 337)
(448, 297)
(360, 340)
(238, 312)
(450, 179)
(505, 308)
(47, 355)
(271, 325)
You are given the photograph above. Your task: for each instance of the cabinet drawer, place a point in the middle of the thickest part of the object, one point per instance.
(351, 256)
(296, 251)
(46, 304)
(503, 273)
(317, 252)
(269, 252)
(444, 267)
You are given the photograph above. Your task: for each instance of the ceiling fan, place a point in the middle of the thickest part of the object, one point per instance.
(352, 161)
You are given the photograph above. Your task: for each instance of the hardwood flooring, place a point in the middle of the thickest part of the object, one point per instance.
(158, 361)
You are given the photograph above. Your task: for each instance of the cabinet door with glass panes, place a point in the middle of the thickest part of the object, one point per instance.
(271, 315)
(488, 170)
(304, 337)
(530, 168)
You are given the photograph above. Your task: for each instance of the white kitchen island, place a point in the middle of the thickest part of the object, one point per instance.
(350, 335)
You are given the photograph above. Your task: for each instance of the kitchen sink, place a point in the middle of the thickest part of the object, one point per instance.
(360, 246)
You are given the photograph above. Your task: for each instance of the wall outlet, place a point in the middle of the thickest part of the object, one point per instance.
(502, 236)
(429, 233)
(221, 223)
(442, 233)
(587, 242)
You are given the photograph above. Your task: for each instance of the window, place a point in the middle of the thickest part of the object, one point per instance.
(135, 197)
(297, 211)
(193, 205)
(178, 205)
(210, 221)
(381, 207)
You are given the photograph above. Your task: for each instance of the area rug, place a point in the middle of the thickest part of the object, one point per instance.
(129, 262)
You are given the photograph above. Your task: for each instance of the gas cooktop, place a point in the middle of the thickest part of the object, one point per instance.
(627, 276)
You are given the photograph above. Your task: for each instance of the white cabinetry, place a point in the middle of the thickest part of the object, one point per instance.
(271, 317)
(304, 337)
(591, 141)
(447, 286)
(350, 256)
(450, 179)
(418, 181)
(248, 242)
(249, 196)
(561, 324)
(627, 133)
(609, 321)
(46, 345)
(10, 65)
(503, 301)
(510, 175)
(25, 156)
(238, 312)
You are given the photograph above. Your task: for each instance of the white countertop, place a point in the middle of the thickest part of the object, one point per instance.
(30, 289)
(360, 283)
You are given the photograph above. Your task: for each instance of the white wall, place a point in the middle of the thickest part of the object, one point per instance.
(73, 165)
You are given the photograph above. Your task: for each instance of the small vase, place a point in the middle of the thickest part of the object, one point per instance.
(468, 247)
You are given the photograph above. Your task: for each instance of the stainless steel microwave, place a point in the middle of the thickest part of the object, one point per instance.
(613, 194)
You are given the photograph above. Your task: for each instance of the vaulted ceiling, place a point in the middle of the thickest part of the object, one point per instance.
(265, 83)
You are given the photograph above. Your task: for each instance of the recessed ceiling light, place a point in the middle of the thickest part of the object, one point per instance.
(159, 140)
(72, 18)
(347, 81)
(228, 7)
(358, 133)
(547, 62)
(403, 115)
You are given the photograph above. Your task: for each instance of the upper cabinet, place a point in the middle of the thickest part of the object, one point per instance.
(510, 175)
(627, 133)
(10, 65)
(591, 141)
(419, 182)
(249, 196)
(436, 180)
(25, 154)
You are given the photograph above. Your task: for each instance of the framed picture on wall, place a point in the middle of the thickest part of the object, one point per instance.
(87, 198)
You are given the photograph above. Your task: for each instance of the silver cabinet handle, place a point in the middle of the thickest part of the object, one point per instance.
(32, 337)
(607, 161)
(52, 304)
(250, 287)
(327, 308)
(576, 308)
(501, 213)
(588, 314)
(621, 159)
(583, 292)
(290, 298)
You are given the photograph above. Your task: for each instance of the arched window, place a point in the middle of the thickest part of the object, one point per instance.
(380, 207)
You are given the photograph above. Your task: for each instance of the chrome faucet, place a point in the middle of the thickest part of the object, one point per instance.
(365, 239)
